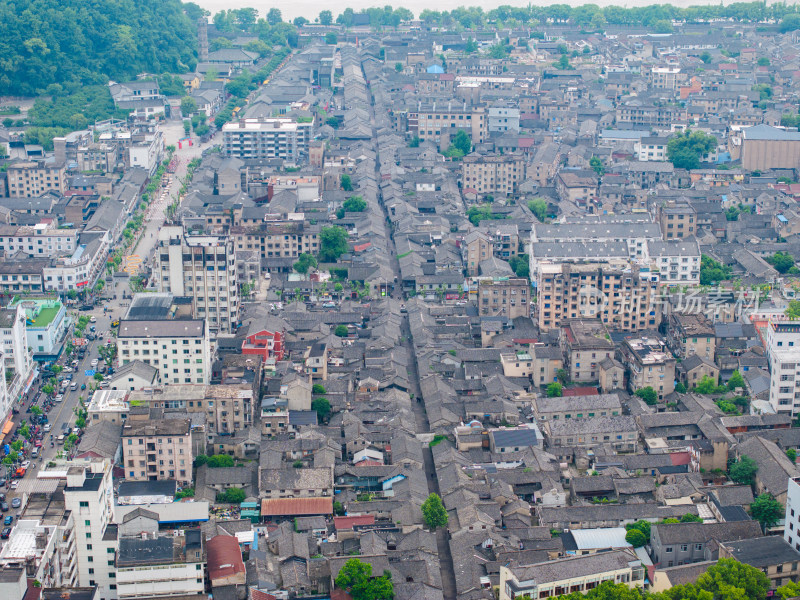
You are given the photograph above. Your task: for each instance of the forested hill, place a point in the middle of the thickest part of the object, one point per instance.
(45, 42)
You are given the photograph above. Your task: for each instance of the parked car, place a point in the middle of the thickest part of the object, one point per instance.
(8, 520)
(93, 319)
(94, 362)
(15, 484)
(6, 533)
(47, 427)
(4, 506)
(16, 503)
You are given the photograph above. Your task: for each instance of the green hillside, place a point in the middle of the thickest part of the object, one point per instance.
(72, 42)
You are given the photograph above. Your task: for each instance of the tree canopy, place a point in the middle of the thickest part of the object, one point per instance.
(433, 512)
(685, 150)
(648, 394)
(80, 42)
(332, 243)
(743, 470)
(767, 511)
(356, 578)
(712, 272)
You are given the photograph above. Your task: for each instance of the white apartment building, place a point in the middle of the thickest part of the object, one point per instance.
(677, 261)
(503, 118)
(89, 496)
(202, 267)
(651, 148)
(280, 137)
(17, 358)
(147, 152)
(41, 240)
(161, 566)
(180, 349)
(783, 351)
(82, 267)
(45, 547)
(791, 528)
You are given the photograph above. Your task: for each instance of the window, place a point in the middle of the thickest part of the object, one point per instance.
(88, 523)
(84, 504)
(668, 550)
(684, 547)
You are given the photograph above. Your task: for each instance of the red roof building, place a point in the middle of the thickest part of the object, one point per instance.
(266, 344)
(341, 523)
(296, 507)
(225, 564)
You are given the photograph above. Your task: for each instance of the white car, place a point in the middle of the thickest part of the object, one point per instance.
(59, 398)
(93, 319)
(15, 484)
(94, 362)
(47, 427)
(67, 370)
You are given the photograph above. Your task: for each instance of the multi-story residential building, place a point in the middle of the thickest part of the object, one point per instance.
(667, 78)
(677, 261)
(686, 543)
(280, 137)
(42, 240)
(46, 324)
(651, 148)
(544, 165)
(791, 528)
(17, 357)
(620, 432)
(577, 574)
(493, 174)
(690, 334)
(89, 497)
(477, 248)
(82, 267)
(268, 345)
(504, 296)
(783, 350)
(575, 186)
(771, 554)
(161, 333)
(650, 364)
(622, 294)
(586, 342)
(578, 407)
(202, 267)
(162, 565)
(43, 541)
(503, 118)
(505, 238)
(34, 178)
(677, 219)
(157, 450)
(432, 122)
(649, 116)
(287, 239)
(22, 276)
(146, 150)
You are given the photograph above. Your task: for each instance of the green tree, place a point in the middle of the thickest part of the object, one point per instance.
(356, 578)
(597, 165)
(331, 39)
(690, 518)
(730, 579)
(648, 394)
(433, 512)
(685, 150)
(736, 381)
(790, 590)
(791, 454)
(520, 265)
(299, 21)
(554, 390)
(712, 272)
(188, 106)
(782, 261)
(219, 461)
(462, 142)
(322, 407)
(398, 67)
(332, 243)
(662, 26)
(325, 17)
(562, 64)
(790, 22)
(305, 262)
(352, 204)
(643, 526)
(414, 143)
(471, 46)
(635, 538)
(338, 508)
(680, 387)
(274, 16)
(793, 310)
(317, 389)
(743, 471)
(538, 206)
(707, 385)
(346, 182)
(767, 511)
(705, 57)
(232, 495)
(98, 377)
(341, 331)
(763, 61)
